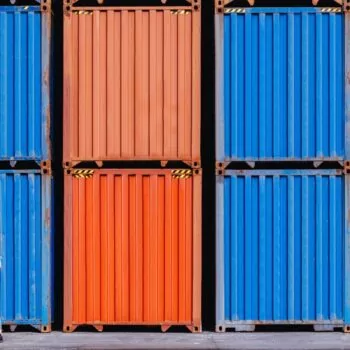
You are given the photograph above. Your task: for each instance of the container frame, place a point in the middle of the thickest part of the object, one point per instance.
(194, 159)
(42, 324)
(223, 161)
(196, 324)
(46, 55)
(249, 325)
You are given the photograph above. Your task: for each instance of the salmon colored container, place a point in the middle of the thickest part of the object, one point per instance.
(132, 83)
(132, 250)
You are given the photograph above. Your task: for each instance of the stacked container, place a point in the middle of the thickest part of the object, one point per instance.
(25, 139)
(132, 251)
(282, 235)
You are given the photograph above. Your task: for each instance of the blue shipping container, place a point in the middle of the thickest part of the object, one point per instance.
(280, 87)
(26, 248)
(25, 38)
(281, 252)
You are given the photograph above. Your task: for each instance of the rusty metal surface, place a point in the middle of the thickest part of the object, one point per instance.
(132, 248)
(131, 84)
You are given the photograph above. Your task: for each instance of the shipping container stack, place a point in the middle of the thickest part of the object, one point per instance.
(282, 149)
(132, 252)
(25, 161)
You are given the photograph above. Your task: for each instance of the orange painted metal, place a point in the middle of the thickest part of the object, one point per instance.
(131, 83)
(132, 250)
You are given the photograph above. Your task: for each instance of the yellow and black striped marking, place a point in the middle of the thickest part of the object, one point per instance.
(181, 174)
(180, 12)
(82, 12)
(234, 10)
(82, 173)
(331, 10)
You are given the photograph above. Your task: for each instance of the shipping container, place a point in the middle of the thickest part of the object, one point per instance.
(26, 249)
(132, 83)
(132, 251)
(280, 77)
(281, 249)
(25, 47)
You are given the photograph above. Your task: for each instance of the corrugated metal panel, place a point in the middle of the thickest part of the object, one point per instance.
(132, 84)
(132, 249)
(280, 241)
(25, 228)
(24, 83)
(280, 84)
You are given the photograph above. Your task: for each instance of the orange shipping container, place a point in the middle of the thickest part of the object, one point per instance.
(132, 248)
(132, 83)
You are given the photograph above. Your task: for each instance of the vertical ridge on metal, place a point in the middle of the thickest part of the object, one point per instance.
(26, 248)
(280, 248)
(25, 39)
(346, 252)
(133, 248)
(347, 81)
(279, 84)
(131, 94)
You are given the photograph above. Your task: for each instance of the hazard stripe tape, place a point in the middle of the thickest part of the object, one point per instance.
(181, 174)
(82, 12)
(82, 173)
(331, 10)
(180, 12)
(324, 10)
(234, 10)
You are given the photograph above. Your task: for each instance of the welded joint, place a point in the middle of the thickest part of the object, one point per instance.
(45, 167)
(220, 172)
(196, 5)
(346, 6)
(67, 6)
(221, 165)
(220, 329)
(45, 5)
(347, 167)
(197, 172)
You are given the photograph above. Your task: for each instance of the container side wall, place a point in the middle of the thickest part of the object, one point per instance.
(283, 85)
(25, 248)
(284, 247)
(132, 80)
(21, 98)
(129, 253)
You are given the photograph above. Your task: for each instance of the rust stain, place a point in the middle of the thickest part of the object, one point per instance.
(47, 220)
(133, 247)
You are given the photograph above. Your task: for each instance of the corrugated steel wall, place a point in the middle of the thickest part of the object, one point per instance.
(132, 248)
(132, 84)
(24, 84)
(25, 227)
(280, 84)
(280, 241)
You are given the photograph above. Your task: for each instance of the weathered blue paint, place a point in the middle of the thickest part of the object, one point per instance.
(280, 236)
(25, 36)
(347, 85)
(280, 90)
(26, 248)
